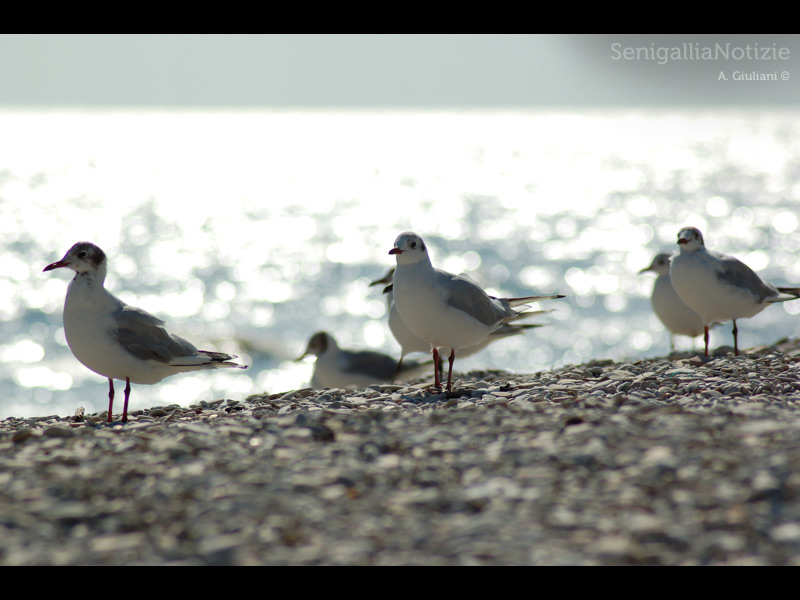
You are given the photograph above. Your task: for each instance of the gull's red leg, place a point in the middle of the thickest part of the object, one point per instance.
(127, 395)
(436, 383)
(451, 360)
(110, 397)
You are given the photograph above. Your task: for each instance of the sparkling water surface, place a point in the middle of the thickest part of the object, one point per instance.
(249, 231)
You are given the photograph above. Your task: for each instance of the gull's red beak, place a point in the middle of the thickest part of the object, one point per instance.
(395, 251)
(683, 241)
(56, 265)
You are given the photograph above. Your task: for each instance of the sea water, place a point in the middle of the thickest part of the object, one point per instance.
(249, 231)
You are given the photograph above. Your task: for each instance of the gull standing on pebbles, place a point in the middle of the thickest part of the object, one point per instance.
(338, 368)
(448, 311)
(120, 341)
(678, 318)
(719, 287)
(411, 342)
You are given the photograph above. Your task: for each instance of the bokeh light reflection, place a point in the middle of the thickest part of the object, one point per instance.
(252, 230)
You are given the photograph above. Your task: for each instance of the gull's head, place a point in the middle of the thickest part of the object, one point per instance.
(409, 248)
(318, 344)
(659, 265)
(83, 257)
(690, 239)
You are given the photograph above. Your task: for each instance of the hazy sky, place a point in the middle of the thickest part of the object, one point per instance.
(396, 70)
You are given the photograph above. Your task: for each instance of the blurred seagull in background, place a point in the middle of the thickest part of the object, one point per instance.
(449, 311)
(673, 312)
(120, 341)
(719, 287)
(338, 368)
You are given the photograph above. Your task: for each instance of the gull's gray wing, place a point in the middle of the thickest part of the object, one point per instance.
(735, 272)
(466, 295)
(144, 336)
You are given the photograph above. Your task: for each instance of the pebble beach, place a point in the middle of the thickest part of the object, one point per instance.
(678, 460)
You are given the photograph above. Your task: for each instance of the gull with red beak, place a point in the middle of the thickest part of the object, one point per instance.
(719, 287)
(120, 341)
(448, 311)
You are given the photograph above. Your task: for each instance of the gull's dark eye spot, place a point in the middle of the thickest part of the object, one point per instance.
(413, 244)
(82, 254)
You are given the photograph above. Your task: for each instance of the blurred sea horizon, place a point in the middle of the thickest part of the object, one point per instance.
(248, 231)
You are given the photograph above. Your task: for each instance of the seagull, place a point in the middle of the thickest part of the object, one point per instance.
(448, 311)
(338, 368)
(719, 287)
(120, 341)
(678, 318)
(411, 342)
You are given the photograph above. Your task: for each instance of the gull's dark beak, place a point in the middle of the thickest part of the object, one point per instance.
(56, 265)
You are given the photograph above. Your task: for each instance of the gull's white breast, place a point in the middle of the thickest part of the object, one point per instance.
(420, 297)
(673, 312)
(89, 328)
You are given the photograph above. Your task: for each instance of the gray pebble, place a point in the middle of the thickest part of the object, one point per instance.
(659, 461)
